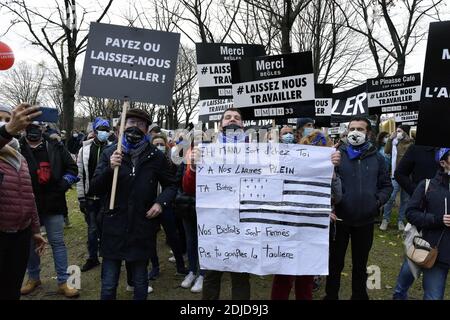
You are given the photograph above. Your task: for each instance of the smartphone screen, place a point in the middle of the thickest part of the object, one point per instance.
(48, 115)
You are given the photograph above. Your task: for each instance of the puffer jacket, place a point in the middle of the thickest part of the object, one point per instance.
(17, 205)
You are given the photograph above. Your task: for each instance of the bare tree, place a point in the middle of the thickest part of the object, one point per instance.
(282, 15)
(23, 83)
(337, 51)
(57, 32)
(392, 28)
(186, 96)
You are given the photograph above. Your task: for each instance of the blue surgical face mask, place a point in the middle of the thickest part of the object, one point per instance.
(102, 136)
(307, 131)
(161, 148)
(287, 138)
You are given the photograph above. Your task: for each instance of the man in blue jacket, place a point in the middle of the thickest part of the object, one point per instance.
(129, 230)
(366, 186)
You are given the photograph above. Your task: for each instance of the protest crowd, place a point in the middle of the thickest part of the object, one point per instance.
(38, 169)
(232, 196)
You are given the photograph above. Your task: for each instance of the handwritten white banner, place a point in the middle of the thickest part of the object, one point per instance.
(264, 208)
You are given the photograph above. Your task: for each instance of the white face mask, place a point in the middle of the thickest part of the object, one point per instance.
(356, 138)
(2, 123)
(400, 136)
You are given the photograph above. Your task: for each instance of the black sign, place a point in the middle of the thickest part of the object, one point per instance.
(393, 94)
(213, 66)
(350, 103)
(274, 86)
(211, 110)
(322, 105)
(129, 62)
(434, 117)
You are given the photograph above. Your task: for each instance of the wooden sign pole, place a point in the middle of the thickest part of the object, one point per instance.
(125, 107)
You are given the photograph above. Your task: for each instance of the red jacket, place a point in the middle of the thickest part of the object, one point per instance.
(189, 181)
(17, 205)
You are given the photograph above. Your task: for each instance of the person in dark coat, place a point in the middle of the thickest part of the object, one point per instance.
(428, 211)
(418, 163)
(366, 186)
(129, 230)
(53, 171)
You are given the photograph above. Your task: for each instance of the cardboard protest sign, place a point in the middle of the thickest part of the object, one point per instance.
(392, 94)
(214, 75)
(347, 104)
(322, 105)
(434, 115)
(129, 62)
(211, 110)
(274, 86)
(264, 208)
(213, 66)
(402, 117)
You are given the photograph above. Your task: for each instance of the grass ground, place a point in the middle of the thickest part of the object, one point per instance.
(386, 253)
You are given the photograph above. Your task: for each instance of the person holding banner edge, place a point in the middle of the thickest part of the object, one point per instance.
(128, 230)
(231, 125)
(304, 285)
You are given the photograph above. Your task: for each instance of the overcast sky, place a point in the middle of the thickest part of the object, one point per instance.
(25, 51)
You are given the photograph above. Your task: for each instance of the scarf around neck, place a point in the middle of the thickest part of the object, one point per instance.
(356, 151)
(134, 150)
(235, 138)
(11, 156)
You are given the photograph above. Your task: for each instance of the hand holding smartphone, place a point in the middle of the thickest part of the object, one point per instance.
(48, 115)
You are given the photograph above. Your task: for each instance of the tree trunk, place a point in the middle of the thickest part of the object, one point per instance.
(68, 105)
(401, 62)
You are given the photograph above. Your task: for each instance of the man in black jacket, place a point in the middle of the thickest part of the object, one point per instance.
(52, 172)
(417, 164)
(366, 187)
(129, 230)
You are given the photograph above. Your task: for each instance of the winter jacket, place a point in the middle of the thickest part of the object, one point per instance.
(126, 233)
(51, 198)
(366, 186)
(417, 164)
(17, 205)
(83, 169)
(402, 146)
(426, 211)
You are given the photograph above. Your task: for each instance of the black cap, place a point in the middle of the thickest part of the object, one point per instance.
(302, 121)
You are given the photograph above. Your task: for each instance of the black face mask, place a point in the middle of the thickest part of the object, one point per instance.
(133, 135)
(33, 134)
(232, 126)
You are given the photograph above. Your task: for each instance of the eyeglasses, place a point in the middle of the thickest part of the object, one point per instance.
(137, 123)
(160, 145)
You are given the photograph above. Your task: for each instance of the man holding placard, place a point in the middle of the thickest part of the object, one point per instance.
(128, 230)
